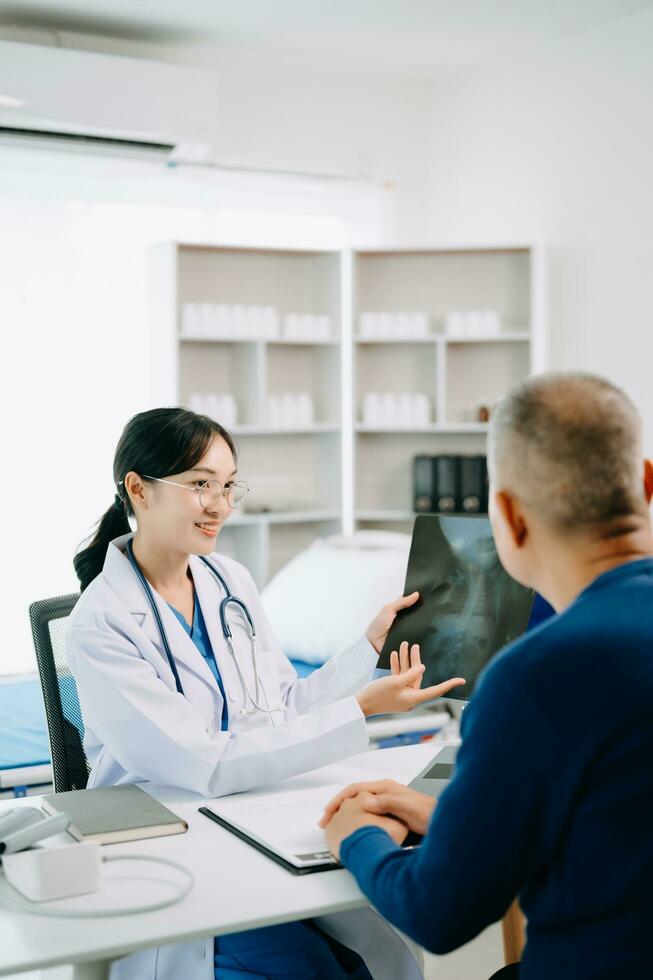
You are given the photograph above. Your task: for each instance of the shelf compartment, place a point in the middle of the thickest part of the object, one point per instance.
(384, 466)
(300, 473)
(481, 374)
(312, 368)
(292, 281)
(393, 369)
(227, 368)
(440, 281)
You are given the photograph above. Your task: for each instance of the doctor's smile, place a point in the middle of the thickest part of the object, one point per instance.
(182, 681)
(211, 530)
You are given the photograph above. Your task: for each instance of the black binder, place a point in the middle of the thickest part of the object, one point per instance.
(446, 478)
(423, 484)
(472, 490)
(450, 484)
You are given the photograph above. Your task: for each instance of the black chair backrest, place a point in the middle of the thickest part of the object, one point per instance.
(49, 618)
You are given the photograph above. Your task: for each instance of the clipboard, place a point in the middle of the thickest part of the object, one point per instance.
(412, 840)
(306, 870)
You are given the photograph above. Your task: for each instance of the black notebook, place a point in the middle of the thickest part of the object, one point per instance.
(114, 814)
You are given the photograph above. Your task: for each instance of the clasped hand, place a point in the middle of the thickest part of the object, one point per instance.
(395, 808)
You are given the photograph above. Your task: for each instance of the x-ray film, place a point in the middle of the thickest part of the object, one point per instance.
(469, 607)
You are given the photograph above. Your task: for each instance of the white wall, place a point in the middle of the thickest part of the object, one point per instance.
(560, 151)
(73, 299)
(294, 116)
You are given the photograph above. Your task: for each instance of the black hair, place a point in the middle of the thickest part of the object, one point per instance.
(158, 443)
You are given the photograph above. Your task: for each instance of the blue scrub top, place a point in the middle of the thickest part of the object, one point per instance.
(200, 637)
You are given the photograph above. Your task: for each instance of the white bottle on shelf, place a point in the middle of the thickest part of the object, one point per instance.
(372, 409)
(386, 326)
(455, 325)
(190, 320)
(239, 323)
(305, 409)
(288, 411)
(212, 406)
(366, 325)
(226, 326)
(218, 321)
(491, 323)
(270, 323)
(253, 321)
(218, 326)
(274, 412)
(474, 323)
(422, 410)
(387, 409)
(204, 320)
(405, 410)
(420, 324)
(402, 325)
(228, 411)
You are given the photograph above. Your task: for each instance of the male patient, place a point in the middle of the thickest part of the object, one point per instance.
(552, 798)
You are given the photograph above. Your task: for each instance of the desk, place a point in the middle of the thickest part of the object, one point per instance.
(32, 942)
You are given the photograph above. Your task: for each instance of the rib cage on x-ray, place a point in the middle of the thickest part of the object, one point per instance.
(469, 607)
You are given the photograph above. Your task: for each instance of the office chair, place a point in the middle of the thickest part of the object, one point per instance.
(62, 711)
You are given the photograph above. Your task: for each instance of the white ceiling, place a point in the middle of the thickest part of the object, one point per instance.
(405, 36)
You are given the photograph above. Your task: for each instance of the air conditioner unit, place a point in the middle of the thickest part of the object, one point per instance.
(105, 103)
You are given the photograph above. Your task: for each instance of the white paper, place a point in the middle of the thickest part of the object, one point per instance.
(286, 823)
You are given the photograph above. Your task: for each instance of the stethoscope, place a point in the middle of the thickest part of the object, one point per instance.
(228, 600)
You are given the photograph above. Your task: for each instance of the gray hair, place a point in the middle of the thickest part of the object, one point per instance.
(569, 445)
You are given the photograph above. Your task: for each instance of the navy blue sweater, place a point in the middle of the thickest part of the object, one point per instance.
(552, 799)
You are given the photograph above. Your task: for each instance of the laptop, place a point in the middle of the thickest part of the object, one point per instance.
(434, 777)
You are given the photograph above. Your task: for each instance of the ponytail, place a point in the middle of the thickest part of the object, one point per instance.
(153, 444)
(89, 561)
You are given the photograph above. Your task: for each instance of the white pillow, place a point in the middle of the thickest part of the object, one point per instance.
(323, 600)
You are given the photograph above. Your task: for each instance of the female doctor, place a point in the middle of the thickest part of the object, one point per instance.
(182, 682)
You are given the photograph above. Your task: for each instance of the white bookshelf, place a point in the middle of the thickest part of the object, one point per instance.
(340, 472)
(459, 375)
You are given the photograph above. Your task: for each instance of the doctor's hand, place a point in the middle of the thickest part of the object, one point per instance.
(402, 689)
(388, 798)
(380, 625)
(353, 814)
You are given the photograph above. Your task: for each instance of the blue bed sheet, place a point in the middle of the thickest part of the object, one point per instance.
(24, 730)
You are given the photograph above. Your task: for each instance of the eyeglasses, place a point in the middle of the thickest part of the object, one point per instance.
(211, 491)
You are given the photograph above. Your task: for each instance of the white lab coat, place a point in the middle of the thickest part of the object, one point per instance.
(138, 728)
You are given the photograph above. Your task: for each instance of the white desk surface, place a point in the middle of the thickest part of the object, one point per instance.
(236, 887)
